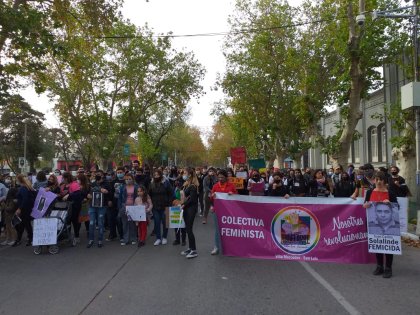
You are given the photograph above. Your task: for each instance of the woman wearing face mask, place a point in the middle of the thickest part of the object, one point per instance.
(365, 181)
(52, 185)
(222, 186)
(75, 197)
(84, 184)
(256, 184)
(319, 186)
(397, 184)
(345, 187)
(190, 207)
(381, 194)
(162, 195)
(277, 188)
(128, 194)
(298, 185)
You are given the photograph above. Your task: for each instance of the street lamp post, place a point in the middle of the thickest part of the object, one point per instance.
(24, 144)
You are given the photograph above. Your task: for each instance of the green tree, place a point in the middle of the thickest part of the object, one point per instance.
(106, 90)
(13, 117)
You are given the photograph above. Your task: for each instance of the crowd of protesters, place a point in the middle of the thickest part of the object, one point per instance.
(194, 189)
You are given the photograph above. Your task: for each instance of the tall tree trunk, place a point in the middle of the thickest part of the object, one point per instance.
(357, 84)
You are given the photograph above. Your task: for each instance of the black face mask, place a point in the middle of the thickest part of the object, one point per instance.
(277, 181)
(256, 178)
(50, 184)
(344, 178)
(98, 178)
(394, 173)
(158, 179)
(139, 177)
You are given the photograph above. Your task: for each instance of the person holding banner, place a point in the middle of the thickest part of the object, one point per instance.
(222, 186)
(143, 199)
(190, 207)
(256, 184)
(381, 194)
(277, 188)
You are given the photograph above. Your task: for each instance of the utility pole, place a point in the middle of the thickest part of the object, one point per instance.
(24, 144)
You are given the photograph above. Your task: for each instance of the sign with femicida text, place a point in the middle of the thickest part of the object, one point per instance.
(384, 231)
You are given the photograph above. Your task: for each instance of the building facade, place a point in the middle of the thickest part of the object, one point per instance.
(374, 128)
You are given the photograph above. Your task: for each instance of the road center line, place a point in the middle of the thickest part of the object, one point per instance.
(337, 295)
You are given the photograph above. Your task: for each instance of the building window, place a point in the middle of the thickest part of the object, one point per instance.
(356, 151)
(382, 143)
(373, 144)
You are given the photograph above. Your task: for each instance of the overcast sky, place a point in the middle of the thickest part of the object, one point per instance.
(179, 17)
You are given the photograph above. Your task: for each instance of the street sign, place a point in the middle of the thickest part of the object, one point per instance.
(126, 150)
(164, 156)
(22, 162)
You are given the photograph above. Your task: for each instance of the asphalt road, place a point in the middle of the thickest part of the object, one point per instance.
(158, 280)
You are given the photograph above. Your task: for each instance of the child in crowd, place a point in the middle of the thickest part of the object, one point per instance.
(143, 199)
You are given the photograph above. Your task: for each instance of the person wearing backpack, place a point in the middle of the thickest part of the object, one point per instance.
(25, 202)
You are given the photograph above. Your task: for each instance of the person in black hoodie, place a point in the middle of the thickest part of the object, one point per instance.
(160, 192)
(277, 188)
(298, 187)
(344, 187)
(397, 184)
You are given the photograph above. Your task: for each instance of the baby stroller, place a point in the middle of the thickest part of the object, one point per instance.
(61, 210)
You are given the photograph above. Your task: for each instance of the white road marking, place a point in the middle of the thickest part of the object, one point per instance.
(337, 295)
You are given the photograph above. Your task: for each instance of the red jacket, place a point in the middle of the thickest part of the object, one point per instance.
(224, 188)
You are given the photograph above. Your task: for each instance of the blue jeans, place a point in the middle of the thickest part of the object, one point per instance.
(96, 214)
(217, 242)
(159, 219)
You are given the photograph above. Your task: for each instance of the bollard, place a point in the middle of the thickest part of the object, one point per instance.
(418, 223)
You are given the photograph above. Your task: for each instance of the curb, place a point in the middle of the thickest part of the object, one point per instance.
(411, 236)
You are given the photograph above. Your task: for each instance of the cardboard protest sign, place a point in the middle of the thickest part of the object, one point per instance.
(45, 231)
(238, 182)
(136, 213)
(384, 232)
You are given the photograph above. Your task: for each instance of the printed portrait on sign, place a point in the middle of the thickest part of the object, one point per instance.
(41, 204)
(384, 219)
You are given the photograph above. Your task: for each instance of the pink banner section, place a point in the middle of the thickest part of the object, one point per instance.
(300, 229)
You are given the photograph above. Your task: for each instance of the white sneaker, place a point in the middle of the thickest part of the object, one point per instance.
(77, 239)
(186, 252)
(164, 241)
(215, 251)
(192, 254)
(10, 243)
(133, 243)
(157, 242)
(4, 243)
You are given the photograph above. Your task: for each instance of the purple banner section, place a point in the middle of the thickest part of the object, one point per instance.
(42, 202)
(300, 229)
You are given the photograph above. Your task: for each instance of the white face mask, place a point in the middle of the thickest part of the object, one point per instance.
(7, 181)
